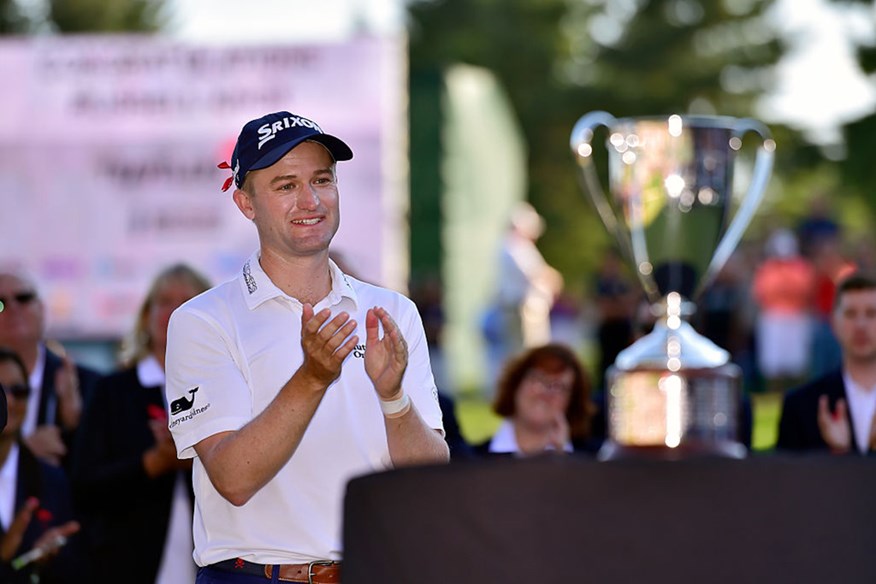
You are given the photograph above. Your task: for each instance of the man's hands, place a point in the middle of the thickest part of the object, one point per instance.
(69, 394)
(834, 426)
(326, 343)
(558, 435)
(161, 458)
(386, 358)
(46, 443)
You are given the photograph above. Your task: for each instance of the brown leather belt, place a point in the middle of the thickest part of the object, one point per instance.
(318, 572)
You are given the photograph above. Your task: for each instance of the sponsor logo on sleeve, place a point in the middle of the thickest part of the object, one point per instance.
(186, 404)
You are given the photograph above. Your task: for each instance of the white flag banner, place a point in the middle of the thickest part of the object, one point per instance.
(108, 155)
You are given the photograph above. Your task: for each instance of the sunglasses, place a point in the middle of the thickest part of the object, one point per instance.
(18, 391)
(21, 298)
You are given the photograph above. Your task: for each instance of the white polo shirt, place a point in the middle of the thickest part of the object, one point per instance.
(229, 351)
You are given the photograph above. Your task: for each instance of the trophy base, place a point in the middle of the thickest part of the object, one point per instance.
(612, 450)
(669, 415)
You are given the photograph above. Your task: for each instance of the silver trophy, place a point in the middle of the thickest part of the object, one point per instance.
(673, 393)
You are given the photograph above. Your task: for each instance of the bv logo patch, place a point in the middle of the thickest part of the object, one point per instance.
(182, 404)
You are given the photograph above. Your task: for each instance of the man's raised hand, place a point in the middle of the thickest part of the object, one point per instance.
(325, 343)
(386, 357)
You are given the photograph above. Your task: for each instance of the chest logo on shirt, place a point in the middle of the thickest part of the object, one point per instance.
(359, 351)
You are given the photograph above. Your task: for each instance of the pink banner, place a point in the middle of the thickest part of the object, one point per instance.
(108, 153)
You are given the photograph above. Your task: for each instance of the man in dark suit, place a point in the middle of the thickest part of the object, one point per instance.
(836, 412)
(59, 385)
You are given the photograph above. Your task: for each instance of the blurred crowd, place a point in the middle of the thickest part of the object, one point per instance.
(90, 483)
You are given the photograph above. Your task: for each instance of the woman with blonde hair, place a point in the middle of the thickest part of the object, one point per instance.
(134, 493)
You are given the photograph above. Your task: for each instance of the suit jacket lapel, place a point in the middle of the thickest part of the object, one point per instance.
(841, 392)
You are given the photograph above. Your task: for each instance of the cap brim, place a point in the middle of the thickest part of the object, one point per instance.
(336, 147)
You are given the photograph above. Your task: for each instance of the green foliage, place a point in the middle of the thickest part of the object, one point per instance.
(84, 16)
(12, 20)
(560, 59)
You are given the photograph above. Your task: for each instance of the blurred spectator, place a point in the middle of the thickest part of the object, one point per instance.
(134, 492)
(526, 290)
(544, 400)
(719, 311)
(4, 413)
(60, 386)
(783, 286)
(459, 447)
(831, 266)
(616, 301)
(426, 294)
(35, 506)
(836, 411)
(864, 253)
(817, 226)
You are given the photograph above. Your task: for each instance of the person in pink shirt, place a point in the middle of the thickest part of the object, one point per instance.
(783, 287)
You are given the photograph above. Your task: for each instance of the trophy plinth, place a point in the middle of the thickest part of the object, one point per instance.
(673, 393)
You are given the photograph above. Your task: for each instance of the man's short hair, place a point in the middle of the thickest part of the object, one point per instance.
(855, 282)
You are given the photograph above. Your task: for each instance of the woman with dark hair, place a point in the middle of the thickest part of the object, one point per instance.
(35, 506)
(134, 493)
(544, 397)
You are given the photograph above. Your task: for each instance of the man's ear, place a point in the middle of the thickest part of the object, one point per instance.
(243, 202)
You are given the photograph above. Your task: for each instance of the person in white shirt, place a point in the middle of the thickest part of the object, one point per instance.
(837, 412)
(294, 377)
(526, 288)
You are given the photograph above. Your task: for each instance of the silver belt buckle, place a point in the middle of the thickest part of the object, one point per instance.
(310, 566)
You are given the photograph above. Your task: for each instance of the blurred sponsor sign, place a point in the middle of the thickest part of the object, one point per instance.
(109, 147)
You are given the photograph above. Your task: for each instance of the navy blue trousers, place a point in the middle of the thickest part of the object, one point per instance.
(214, 576)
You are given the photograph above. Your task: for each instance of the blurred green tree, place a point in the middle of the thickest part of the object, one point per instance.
(12, 18)
(856, 166)
(559, 59)
(83, 16)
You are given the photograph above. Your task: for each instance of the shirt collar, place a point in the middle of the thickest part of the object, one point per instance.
(258, 287)
(8, 472)
(505, 440)
(853, 386)
(36, 376)
(149, 372)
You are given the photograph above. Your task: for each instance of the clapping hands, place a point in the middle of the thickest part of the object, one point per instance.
(834, 425)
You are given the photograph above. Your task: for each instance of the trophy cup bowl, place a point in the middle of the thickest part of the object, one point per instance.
(673, 393)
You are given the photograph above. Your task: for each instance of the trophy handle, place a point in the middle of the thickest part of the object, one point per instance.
(582, 150)
(763, 166)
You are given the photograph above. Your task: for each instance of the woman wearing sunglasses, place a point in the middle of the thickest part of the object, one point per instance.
(35, 506)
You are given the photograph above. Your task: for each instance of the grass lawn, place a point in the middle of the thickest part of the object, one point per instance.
(478, 422)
